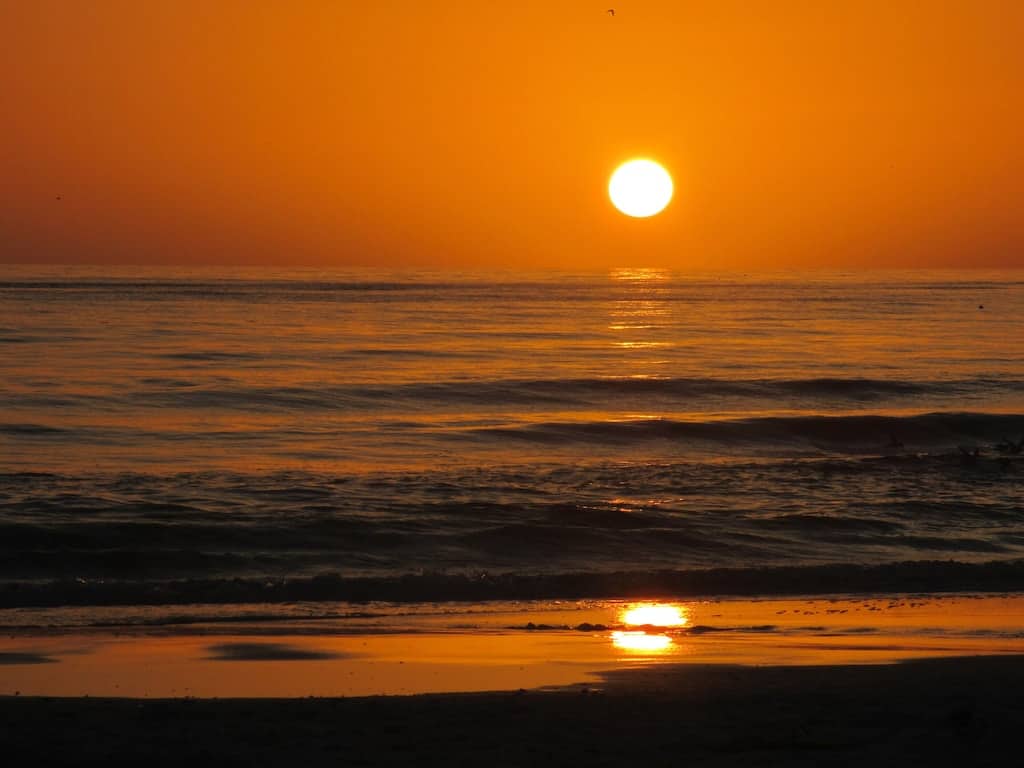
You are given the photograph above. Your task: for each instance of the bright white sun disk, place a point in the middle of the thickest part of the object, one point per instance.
(640, 188)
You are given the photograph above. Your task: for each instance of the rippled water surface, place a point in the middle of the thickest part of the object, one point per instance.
(169, 426)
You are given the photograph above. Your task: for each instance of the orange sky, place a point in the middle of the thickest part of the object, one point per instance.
(481, 134)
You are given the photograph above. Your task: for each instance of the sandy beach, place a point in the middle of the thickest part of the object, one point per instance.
(960, 711)
(895, 680)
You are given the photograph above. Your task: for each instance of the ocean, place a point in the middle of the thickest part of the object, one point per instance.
(172, 437)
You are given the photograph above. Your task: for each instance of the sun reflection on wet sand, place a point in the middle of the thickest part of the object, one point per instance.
(648, 621)
(641, 642)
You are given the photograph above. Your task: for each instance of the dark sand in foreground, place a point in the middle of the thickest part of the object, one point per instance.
(966, 711)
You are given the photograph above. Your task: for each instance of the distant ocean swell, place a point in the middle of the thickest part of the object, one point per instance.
(906, 577)
(267, 284)
(852, 434)
(183, 392)
(855, 434)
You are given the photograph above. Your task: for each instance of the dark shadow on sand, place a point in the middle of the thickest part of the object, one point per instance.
(25, 658)
(956, 712)
(268, 652)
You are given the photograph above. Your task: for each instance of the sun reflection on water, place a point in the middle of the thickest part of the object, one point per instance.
(639, 273)
(639, 320)
(655, 615)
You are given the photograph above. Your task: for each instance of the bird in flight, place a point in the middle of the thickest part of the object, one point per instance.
(610, 11)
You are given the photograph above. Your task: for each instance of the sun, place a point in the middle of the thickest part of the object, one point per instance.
(640, 188)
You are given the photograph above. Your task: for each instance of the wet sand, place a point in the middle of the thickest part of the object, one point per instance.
(923, 680)
(460, 648)
(954, 711)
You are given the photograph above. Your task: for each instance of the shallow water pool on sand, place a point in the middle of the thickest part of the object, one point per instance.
(435, 648)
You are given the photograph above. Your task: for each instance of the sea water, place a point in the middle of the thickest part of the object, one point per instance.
(235, 436)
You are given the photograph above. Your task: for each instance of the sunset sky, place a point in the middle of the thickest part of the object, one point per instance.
(480, 134)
